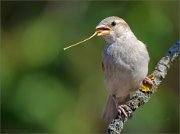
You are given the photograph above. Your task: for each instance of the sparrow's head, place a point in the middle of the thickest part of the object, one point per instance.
(112, 28)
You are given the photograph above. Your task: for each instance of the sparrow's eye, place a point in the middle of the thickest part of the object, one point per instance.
(113, 23)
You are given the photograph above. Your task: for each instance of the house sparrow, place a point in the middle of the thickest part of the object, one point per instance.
(124, 62)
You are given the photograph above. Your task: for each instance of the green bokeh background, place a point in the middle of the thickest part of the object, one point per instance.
(46, 89)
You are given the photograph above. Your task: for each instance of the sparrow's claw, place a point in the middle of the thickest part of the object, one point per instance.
(122, 108)
(148, 81)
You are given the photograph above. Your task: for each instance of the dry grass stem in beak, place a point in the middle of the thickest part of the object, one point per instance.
(73, 45)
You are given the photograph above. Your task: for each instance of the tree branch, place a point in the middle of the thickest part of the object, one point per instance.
(142, 95)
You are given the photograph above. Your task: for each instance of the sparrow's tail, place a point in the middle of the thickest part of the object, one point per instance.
(110, 110)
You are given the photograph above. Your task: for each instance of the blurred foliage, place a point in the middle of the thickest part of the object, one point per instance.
(45, 89)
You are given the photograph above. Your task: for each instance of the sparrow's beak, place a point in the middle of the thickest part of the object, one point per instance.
(103, 30)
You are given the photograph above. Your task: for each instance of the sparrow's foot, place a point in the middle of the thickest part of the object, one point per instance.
(147, 80)
(122, 109)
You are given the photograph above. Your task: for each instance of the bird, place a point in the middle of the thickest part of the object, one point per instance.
(125, 62)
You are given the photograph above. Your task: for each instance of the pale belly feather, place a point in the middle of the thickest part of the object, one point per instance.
(122, 78)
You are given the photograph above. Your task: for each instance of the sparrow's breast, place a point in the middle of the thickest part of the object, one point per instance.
(123, 71)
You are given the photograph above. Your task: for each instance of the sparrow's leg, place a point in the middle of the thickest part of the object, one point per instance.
(120, 108)
(148, 81)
